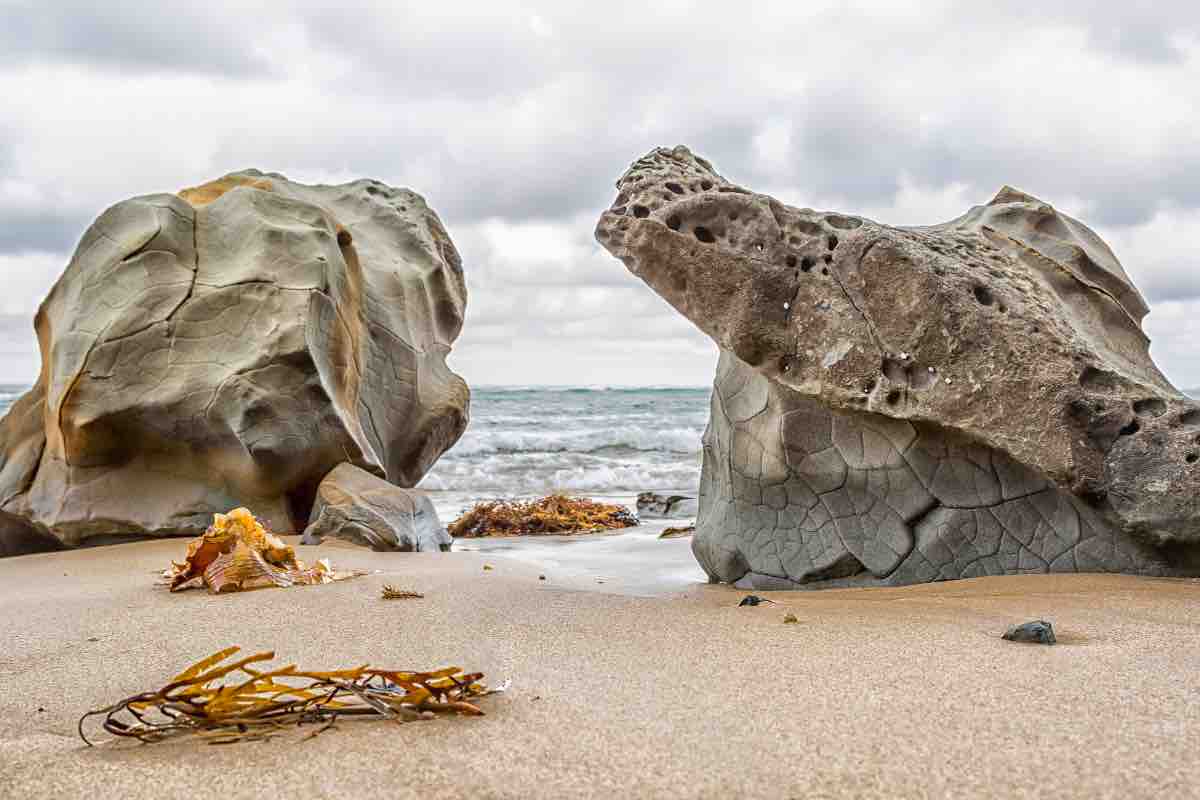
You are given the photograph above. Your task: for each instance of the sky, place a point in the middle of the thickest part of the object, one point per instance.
(515, 119)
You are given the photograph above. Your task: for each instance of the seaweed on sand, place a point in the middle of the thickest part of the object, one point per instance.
(237, 552)
(556, 513)
(258, 704)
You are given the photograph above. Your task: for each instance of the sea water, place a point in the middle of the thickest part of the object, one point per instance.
(604, 442)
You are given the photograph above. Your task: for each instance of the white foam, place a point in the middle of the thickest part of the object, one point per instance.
(484, 478)
(670, 440)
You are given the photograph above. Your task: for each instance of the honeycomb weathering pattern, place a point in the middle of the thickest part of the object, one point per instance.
(228, 346)
(897, 405)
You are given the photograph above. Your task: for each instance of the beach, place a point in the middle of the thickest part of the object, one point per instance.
(906, 692)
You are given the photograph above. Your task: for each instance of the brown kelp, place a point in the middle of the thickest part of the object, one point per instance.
(256, 704)
(557, 513)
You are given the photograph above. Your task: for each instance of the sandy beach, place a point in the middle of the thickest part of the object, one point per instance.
(875, 693)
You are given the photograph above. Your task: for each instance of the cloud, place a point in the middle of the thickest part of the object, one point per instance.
(514, 121)
(168, 37)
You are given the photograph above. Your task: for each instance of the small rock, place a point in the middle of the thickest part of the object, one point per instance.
(753, 600)
(675, 533)
(541, 577)
(487, 567)
(93, 638)
(790, 619)
(1038, 632)
(657, 506)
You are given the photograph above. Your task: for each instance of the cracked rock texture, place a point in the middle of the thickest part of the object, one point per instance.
(228, 346)
(354, 505)
(896, 405)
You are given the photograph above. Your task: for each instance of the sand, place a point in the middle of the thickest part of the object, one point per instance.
(875, 693)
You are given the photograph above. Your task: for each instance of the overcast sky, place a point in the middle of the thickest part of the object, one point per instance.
(515, 119)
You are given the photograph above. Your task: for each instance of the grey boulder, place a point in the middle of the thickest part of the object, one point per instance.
(228, 346)
(897, 405)
(360, 508)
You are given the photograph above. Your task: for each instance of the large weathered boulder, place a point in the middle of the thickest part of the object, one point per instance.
(358, 507)
(228, 346)
(909, 404)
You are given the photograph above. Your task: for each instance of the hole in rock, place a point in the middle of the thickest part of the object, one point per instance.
(758, 247)
(832, 241)
(641, 212)
(1129, 430)
(1100, 380)
(843, 223)
(824, 270)
(893, 397)
(1003, 309)
(674, 222)
(984, 295)
(1150, 407)
(704, 234)
(894, 370)
(619, 210)
(1094, 496)
(733, 215)
(828, 260)
(706, 185)
(675, 187)
(790, 261)
(807, 264)
(1192, 458)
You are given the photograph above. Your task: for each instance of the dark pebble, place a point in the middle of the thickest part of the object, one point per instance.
(751, 600)
(1039, 632)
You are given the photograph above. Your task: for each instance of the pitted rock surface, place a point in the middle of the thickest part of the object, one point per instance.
(229, 346)
(356, 506)
(912, 404)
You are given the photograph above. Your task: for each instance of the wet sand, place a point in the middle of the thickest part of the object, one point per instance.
(875, 693)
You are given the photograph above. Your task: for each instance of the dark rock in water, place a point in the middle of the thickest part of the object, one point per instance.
(356, 506)
(1038, 632)
(229, 346)
(657, 506)
(752, 600)
(899, 405)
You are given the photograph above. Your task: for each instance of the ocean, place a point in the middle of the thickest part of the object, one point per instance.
(595, 441)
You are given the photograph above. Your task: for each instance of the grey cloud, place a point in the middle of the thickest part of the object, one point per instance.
(177, 37)
(41, 230)
(528, 112)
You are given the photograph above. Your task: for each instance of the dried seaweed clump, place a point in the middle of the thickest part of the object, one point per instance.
(557, 513)
(237, 552)
(389, 592)
(257, 704)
